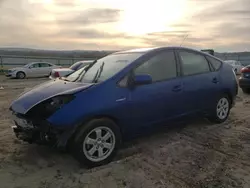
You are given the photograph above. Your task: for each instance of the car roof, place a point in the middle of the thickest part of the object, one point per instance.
(230, 60)
(85, 61)
(38, 62)
(158, 48)
(145, 50)
(137, 50)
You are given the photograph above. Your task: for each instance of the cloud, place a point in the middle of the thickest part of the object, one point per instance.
(91, 16)
(225, 10)
(163, 34)
(89, 34)
(64, 3)
(67, 24)
(221, 26)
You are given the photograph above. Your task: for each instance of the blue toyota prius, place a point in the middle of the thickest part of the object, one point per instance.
(93, 110)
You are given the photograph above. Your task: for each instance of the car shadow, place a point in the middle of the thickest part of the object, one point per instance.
(157, 136)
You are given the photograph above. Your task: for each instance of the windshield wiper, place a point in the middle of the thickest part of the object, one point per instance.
(98, 73)
(81, 75)
(91, 65)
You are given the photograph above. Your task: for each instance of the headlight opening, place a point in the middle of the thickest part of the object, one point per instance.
(57, 102)
(50, 106)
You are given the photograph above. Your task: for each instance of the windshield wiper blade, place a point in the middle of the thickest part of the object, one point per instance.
(81, 75)
(91, 65)
(98, 73)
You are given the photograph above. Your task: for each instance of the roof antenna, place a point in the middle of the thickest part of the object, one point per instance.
(184, 38)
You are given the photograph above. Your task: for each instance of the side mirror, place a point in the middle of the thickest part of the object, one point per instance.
(142, 79)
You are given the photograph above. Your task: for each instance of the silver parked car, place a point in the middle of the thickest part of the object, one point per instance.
(237, 66)
(66, 71)
(35, 69)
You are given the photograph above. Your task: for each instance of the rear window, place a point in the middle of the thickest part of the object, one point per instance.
(75, 66)
(216, 64)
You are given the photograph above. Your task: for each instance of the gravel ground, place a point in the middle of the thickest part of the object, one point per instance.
(198, 154)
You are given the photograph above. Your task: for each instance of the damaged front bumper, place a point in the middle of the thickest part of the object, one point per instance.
(40, 132)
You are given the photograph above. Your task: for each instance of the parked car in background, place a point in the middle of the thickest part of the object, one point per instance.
(237, 66)
(90, 112)
(244, 80)
(62, 72)
(35, 69)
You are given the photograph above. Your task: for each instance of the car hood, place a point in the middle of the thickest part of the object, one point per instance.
(16, 68)
(42, 92)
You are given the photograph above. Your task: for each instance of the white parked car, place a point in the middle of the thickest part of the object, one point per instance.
(35, 69)
(67, 71)
(237, 66)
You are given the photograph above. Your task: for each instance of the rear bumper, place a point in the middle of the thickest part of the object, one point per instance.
(244, 82)
(40, 132)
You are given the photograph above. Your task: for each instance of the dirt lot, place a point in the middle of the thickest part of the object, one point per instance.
(196, 155)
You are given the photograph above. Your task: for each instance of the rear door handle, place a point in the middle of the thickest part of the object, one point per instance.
(177, 88)
(215, 80)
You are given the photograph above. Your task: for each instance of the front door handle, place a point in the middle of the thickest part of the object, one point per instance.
(215, 80)
(177, 88)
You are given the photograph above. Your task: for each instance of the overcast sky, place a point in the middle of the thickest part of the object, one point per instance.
(123, 24)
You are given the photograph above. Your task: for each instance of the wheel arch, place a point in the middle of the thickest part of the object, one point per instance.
(20, 71)
(229, 94)
(78, 129)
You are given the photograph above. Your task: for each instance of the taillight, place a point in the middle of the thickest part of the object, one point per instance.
(245, 70)
(56, 74)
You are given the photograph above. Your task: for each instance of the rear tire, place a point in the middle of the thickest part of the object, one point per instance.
(20, 75)
(246, 90)
(96, 143)
(221, 110)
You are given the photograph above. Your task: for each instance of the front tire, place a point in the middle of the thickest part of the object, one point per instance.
(221, 110)
(20, 75)
(97, 142)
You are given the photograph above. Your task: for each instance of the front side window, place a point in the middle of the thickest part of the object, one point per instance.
(36, 65)
(193, 63)
(160, 67)
(104, 68)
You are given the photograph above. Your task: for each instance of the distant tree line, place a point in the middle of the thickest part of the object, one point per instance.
(53, 53)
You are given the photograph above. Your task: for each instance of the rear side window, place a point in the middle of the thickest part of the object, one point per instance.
(81, 66)
(160, 67)
(193, 63)
(44, 65)
(216, 64)
(75, 66)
